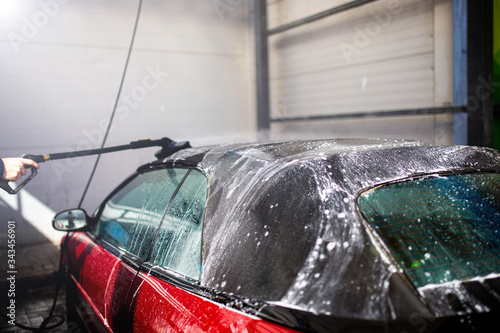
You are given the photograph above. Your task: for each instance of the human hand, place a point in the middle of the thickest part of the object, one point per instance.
(14, 167)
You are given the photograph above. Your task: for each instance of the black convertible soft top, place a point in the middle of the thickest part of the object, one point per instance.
(282, 225)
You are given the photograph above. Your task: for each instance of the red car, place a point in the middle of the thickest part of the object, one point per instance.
(309, 236)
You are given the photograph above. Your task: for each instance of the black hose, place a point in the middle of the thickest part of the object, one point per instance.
(51, 315)
(116, 103)
(45, 324)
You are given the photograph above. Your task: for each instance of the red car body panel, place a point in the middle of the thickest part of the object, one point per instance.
(178, 310)
(122, 297)
(103, 279)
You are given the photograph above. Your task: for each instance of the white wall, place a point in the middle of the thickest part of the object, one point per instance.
(386, 55)
(190, 77)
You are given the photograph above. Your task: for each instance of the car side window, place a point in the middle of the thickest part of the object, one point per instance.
(130, 218)
(178, 245)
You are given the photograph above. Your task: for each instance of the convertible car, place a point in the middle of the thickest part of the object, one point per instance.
(304, 236)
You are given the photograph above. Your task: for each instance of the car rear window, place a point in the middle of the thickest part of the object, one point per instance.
(440, 228)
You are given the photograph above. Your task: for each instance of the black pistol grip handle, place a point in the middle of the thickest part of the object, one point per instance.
(36, 158)
(4, 184)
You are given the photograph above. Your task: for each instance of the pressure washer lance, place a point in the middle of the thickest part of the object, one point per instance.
(168, 147)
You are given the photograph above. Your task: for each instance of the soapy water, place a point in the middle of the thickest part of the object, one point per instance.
(282, 224)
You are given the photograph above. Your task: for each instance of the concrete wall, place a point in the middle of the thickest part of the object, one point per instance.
(190, 77)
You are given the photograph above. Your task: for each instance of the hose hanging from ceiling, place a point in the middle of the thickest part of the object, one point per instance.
(139, 8)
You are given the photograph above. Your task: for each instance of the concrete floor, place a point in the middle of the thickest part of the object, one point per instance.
(35, 279)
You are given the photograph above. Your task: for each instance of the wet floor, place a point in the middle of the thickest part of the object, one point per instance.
(32, 292)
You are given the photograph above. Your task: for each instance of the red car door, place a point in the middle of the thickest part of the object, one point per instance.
(102, 282)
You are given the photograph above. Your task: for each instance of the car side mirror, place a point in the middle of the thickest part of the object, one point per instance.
(70, 220)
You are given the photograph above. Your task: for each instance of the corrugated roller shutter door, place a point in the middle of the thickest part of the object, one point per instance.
(379, 56)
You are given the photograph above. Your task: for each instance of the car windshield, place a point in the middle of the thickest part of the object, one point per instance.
(439, 228)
